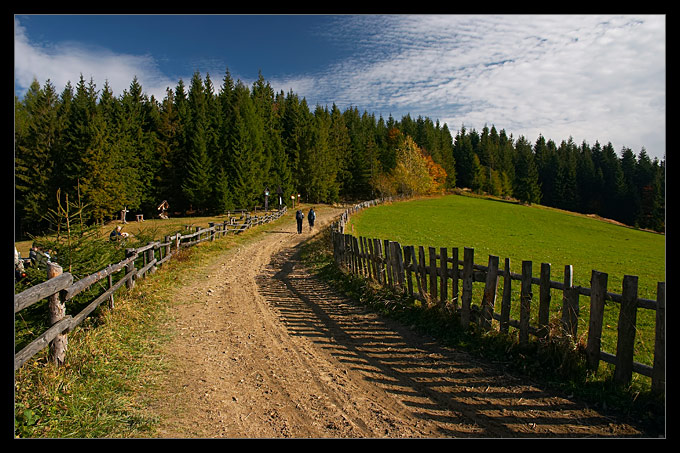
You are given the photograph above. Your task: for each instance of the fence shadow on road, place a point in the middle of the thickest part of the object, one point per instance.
(461, 395)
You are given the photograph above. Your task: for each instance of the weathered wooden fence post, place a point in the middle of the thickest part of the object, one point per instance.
(372, 259)
(388, 263)
(505, 301)
(570, 306)
(454, 277)
(149, 258)
(525, 303)
(468, 262)
(659, 369)
(398, 264)
(489, 298)
(444, 275)
(110, 281)
(130, 269)
(623, 372)
(422, 269)
(433, 273)
(544, 301)
(598, 292)
(168, 241)
(57, 310)
(408, 268)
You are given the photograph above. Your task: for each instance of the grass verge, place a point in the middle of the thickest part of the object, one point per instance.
(114, 359)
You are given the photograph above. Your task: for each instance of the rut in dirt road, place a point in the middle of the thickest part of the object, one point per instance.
(438, 392)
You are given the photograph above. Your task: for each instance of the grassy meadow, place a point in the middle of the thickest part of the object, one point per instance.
(535, 233)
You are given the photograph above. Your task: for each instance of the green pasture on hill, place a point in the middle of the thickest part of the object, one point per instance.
(534, 233)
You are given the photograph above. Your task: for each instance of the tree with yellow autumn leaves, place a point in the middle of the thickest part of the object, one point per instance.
(415, 173)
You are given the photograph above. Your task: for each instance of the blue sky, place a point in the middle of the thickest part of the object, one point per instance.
(589, 77)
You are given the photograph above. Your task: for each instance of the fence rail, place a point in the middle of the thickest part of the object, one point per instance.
(429, 273)
(61, 288)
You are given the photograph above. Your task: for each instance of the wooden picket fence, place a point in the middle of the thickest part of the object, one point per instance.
(429, 273)
(60, 288)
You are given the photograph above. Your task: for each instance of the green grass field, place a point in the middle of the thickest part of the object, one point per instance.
(535, 233)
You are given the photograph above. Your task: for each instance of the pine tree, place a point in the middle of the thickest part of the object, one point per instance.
(197, 186)
(98, 181)
(181, 156)
(612, 182)
(247, 151)
(548, 165)
(167, 149)
(464, 156)
(526, 187)
(35, 138)
(630, 206)
(586, 179)
(566, 189)
(448, 162)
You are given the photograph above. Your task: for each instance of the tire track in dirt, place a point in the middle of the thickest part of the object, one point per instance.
(264, 349)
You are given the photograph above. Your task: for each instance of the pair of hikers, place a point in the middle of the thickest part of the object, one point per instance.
(299, 216)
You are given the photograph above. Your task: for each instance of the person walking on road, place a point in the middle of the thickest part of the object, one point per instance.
(310, 218)
(299, 216)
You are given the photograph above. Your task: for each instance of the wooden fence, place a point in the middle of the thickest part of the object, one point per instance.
(428, 273)
(60, 288)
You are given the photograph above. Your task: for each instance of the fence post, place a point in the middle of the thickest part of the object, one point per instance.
(659, 369)
(623, 373)
(168, 241)
(408, 267)
(454, 277)
(57, 312)
(544, 301)
(468, 261)
(389, 279)
(149, 259)
(570, 306)
(598, 291)
(489, 300)
(444, 275)
(372, 259)
(422, 271)
(110, 281)
(130, 269)
(365, 257)
(212, 231)
(416, 271)
(398, 264)
(433, 273)
(379, 263)
(505, 301)
(525, 303)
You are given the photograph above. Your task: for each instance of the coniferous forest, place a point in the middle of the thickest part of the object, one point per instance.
(211, 147)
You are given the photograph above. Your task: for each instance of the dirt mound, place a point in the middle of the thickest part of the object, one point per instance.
(267, 350)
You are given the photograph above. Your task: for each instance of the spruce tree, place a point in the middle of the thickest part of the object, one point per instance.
(197, 185)
(526, 187)
(246, 162)
(35, 153)
(464, 156)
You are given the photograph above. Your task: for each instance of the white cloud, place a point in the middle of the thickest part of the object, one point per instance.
(588, 77)
(65, 62)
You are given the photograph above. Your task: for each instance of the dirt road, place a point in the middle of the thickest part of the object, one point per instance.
(266, 350)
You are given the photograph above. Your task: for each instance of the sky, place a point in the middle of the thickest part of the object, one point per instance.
(585, 77)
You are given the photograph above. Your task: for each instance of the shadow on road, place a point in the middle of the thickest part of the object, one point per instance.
(464, 397)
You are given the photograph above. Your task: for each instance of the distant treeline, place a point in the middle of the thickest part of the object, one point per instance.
(209, 150)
